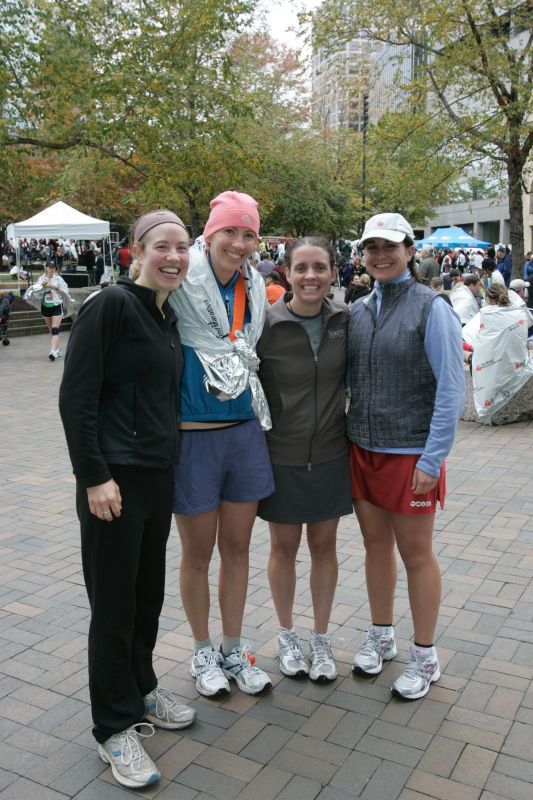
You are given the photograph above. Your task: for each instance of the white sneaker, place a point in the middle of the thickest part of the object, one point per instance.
(130, 763)
(375, 650)
(52, 355)
(422, 670)
(210, 680)
(58, 353)
(323, 667)
(292, 661)
(163, 711)
(239, 666)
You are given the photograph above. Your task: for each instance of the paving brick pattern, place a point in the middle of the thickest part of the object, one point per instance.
(470, 739)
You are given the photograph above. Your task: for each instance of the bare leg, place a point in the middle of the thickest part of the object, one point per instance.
(234, 533)
(284, 544)
(198, 536)
(380, 561)
(322, 541)
(414, 539)
(55, 322)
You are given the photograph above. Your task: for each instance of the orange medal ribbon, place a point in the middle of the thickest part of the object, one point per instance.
(239, 307)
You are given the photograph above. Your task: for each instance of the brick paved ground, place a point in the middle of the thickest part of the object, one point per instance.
(470, 739)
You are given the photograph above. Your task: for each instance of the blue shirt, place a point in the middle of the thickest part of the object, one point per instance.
(444, 350)
(197, 405)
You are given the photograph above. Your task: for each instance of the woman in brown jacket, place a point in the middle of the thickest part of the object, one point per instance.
(303, 365)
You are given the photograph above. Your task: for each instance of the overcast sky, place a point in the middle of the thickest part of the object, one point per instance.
(282, 15)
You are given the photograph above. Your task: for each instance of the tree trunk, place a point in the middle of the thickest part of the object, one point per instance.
(516, 212)
(194, 216)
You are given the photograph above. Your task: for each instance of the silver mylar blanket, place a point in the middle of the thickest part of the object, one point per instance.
(230, 367)
(34, 296)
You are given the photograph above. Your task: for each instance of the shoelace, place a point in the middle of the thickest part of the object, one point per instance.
(419, 667)
(208, 663)
(322, 649)
(289, 644)
(246, 661)
(372, 643)
(164, 703)
(132, 752)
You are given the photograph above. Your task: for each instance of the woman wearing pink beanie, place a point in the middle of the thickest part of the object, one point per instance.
(224, 467)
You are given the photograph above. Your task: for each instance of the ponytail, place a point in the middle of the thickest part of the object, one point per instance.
(408, 242)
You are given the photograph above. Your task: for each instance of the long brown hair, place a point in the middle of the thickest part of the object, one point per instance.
(408, 242)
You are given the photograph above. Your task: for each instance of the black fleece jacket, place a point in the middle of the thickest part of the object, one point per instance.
(119, 394)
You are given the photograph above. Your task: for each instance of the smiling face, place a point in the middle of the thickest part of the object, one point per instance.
(229, 248)
(310, 274)
(164, 257)
(386, 260)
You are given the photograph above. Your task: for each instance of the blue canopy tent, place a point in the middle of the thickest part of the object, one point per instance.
(451, 237)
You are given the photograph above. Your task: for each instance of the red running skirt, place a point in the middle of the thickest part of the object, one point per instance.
(384, 479)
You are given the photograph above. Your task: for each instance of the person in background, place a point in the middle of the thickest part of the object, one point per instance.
(52, 310)
(303, 367)
(124, 258)
(437, 284)
(359, 287)
(98, 267)
(429, 266)
(265, 264)
(492, 274)
(119, 405)
(5, 313)
(281, 270)
(464, 298)
(274, 289)
(504, 263)
(405, 360)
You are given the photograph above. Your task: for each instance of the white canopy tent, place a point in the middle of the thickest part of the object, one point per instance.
(59, 221)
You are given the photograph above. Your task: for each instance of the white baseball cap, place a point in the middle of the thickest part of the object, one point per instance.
(518, 283)
(392, 227)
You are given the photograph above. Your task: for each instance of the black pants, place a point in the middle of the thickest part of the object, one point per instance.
(124, 571)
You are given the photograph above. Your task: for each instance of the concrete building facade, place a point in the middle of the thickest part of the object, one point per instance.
(487, 220)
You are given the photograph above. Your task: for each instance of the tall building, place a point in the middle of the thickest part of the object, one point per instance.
(340, 82)
(393, 67)
(360, 75)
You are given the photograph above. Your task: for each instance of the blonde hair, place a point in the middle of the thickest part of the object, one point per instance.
(499, 294)
(135, 266)
(365, 279)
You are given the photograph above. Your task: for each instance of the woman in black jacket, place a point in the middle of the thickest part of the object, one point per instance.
(118, 402)
(359, 287)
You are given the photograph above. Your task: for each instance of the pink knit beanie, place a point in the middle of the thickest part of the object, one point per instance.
(232, 210)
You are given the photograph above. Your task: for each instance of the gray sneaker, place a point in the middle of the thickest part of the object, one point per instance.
(292, 661)
(239, 665)
(130, 763)
(375, 650)
(163, 711)
(210, 680)
(323, 667)
(421, 671)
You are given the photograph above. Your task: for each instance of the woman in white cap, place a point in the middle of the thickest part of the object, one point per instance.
(118, 401)
(224, 467)
(405, 362)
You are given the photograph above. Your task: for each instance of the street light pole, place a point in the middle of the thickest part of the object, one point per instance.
(363, 162)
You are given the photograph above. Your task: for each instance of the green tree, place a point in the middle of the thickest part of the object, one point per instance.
(149, 85)
(476, 74)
